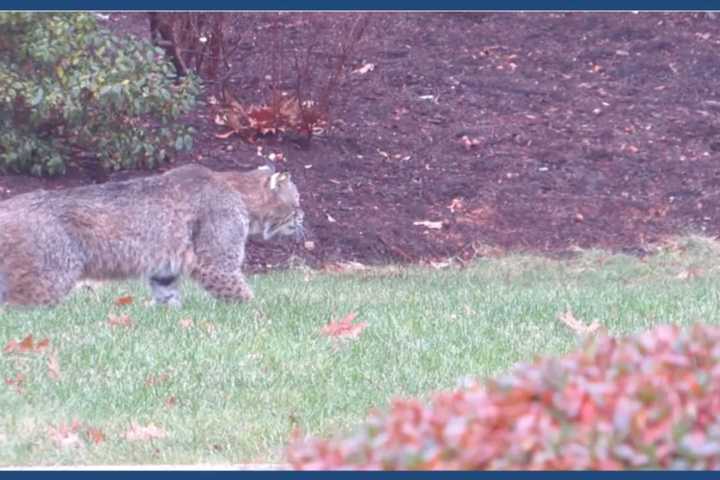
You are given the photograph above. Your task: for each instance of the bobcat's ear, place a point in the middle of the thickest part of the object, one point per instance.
(278, 178)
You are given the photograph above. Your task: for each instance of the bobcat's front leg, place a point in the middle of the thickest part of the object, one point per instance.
(219, 255)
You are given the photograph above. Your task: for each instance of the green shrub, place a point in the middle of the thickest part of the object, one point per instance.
(649, 401)
(71, 90)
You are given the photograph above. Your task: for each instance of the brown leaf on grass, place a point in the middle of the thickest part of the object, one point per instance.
(578, 326)
(95, 435)
(692, 272)
(18, 382)
(10, 346)
(170, 402)
(64, 435)
(119, 321)
(156, 379)
(124, 300)
(344, 328)
(41, 345)
(53, 364)
(26, 345)
(140, 433)
(186, 323)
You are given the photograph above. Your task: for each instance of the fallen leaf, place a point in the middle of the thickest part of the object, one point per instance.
(26, 345)
(64, 435)
(11, 346)
(226, 135)
(124, 300)
(429, 224)
(468, 142)
(692, 272)
(368, 67)
(140, 433)
(119, 321)
(441, 264)
(186, 323)
(41, 345)
(456, 205)
(95, 435)
(344, 328)
(53, 364)
(156, 379)
(18, 382)
(170, 402)
(576, 325)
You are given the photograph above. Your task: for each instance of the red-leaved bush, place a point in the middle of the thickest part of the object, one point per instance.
(648, 401)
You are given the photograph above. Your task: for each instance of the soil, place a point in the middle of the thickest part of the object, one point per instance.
(478, 134)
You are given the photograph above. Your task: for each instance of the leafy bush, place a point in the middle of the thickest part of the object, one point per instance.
(649, 401)
(71, 90)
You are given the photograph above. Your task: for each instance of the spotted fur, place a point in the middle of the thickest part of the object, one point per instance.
(189, 221)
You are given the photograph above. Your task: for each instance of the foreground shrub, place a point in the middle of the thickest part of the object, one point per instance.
(649, 401)
(70, 90)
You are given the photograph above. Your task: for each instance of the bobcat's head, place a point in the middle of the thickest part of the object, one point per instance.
(272, 200)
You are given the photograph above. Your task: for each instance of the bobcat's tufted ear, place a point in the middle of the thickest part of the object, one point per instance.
(278, 178)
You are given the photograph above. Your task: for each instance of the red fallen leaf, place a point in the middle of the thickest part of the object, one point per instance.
(156, 379)
(26, 345)
(226, 135)
(124, 300)
(170, 402)
(53, 364)
(64, 435)
(95, 435)
(119, 321)
(344, 328)
(137, 432)
(186, 323)
(41, 345)
(11, 346)
(262, 119)
(18, 382)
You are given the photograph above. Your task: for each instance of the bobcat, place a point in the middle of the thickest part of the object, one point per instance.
(189, 220)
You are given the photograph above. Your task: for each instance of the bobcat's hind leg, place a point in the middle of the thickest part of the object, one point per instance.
(32, 286)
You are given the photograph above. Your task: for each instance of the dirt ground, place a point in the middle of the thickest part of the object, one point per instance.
(509, 131)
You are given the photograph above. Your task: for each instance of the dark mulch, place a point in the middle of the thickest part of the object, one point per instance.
(582, 129)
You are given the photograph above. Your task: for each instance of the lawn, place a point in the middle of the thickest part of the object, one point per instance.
(121, 382)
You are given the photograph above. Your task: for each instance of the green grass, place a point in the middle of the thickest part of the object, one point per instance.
(244, 376)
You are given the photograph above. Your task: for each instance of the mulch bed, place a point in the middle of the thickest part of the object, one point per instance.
(509, 131)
